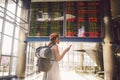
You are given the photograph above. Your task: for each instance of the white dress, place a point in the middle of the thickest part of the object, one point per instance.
(54, 72)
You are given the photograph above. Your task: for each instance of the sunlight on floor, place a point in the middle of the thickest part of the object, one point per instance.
(70, 75)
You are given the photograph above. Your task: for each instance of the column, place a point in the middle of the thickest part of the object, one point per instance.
(22, 49)
(108, 54)
(21, 62)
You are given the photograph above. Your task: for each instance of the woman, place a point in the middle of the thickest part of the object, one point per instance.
(54, 73)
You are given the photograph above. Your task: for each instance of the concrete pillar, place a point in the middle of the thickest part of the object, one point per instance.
(81, 61)
(109, 62)
(21, 66)
(108, 54)
(21, 63)
(81, 66)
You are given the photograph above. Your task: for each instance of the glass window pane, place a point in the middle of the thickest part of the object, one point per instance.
(10, 16)
(8, 29)
(14, 66)
(17, 29)
(7, 43)
(18, 11)
(0, 41)
(18, 14)
(11, 6)
(15, 48)
(1, 12)
(4, 68)
(2, 3)
(1, 21)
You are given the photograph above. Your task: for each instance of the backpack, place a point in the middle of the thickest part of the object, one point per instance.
(44, 54)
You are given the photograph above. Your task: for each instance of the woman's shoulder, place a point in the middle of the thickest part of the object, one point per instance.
(55, 46)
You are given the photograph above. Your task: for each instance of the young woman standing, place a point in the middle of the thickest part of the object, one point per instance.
(54, 72)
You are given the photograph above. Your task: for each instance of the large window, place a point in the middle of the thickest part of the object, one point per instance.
(10, 13)
(8, 29)
(11, 7)
(6, 50)
(1, 21)
(30, 59)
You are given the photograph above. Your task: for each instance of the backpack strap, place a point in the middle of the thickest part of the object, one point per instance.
(37, 52)
(51, 45)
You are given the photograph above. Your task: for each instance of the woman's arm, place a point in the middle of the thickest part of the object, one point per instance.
(57, 54)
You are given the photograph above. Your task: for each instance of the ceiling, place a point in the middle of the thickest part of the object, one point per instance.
(115, 9)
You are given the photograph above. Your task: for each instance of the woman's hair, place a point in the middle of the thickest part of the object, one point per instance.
(53, 37)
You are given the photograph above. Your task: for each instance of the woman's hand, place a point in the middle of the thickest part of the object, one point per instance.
(67, 49)
(60, 56)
